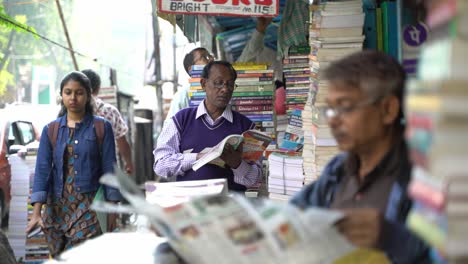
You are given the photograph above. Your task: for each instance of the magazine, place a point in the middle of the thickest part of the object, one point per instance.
(254, 144)
(234, 229)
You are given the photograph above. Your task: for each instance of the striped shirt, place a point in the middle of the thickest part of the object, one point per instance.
(170, 163)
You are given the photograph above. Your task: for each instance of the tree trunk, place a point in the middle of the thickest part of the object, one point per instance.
(7, 50)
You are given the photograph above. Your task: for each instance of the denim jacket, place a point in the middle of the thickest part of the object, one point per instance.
(400, 245)
(89, 164)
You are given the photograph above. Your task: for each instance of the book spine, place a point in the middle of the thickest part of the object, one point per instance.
(295, 61)
(253, 108)
(240, 82)
(267, 71)
(241, 101)
(198, 67)
(250, 67)
(379, 29)
(249, 75)
(260, 97)
(299, 49)
(240, 94)
(254, 80)
(296, 73)
(194, 80)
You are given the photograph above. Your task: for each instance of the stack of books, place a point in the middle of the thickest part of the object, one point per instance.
(196, 93)
(335, 32)
(18, 205)
(297, 76)
(437, 127)
(254, 96)
(32, 249)
(285, 176)
(336, 29)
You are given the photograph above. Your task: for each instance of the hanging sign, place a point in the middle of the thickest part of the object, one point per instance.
(264, 8)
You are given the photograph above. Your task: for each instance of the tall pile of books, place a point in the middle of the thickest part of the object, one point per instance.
(297, 76)
(437, 117)
(32, 249)
(285, 177)
(196, 93)
(254, 96)
(335, 32)
(18, 205)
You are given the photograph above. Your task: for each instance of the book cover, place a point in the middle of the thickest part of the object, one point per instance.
(379, 29)
(253, 144)
(370, 25)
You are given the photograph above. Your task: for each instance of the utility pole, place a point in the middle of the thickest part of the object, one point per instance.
(67, 36)
(157, 60)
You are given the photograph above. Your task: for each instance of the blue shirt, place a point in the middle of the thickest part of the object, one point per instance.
(400, 245)
(90, 162)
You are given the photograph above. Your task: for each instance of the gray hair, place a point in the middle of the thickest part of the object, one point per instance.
(373, 72)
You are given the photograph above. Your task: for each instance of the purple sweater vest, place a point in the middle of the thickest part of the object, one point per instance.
(197, 134)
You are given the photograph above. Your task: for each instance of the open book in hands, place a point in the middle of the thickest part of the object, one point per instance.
(254, 144)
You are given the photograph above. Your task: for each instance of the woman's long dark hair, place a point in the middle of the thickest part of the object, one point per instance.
(85, 83)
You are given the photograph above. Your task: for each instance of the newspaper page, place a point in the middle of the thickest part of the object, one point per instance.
(234, 229)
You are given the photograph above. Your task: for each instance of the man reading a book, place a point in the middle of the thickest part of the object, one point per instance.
(191, 130)
(368, 181)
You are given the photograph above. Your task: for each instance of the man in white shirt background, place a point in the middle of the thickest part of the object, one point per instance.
(254, 51)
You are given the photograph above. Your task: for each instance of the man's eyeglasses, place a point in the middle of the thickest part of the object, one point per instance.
(329, 112)
(205, 57)
(220, 85)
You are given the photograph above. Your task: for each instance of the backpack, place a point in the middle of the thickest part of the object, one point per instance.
(52, 131)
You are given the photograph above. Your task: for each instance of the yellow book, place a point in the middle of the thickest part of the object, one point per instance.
(249, 66)
(434, 103)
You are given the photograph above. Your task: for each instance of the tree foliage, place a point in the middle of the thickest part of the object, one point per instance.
(32, 19)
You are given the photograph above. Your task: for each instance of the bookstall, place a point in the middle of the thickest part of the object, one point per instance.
(437, 123)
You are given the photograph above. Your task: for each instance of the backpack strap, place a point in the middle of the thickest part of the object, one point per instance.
(99, 130)
(52, 131)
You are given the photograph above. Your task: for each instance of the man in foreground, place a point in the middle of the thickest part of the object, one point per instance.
(368, 181)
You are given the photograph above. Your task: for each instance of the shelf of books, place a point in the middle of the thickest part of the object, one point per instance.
(437, 115)
(254, 96)
(335, 32)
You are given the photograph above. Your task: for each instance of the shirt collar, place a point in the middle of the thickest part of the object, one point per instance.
(86, 120)
(201, 111)
(393, 162)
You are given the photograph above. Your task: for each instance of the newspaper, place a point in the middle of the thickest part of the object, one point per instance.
(233, 229)
(172, 193)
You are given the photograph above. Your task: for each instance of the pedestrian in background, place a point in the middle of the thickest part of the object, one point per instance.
(111, 114)
(68, 171)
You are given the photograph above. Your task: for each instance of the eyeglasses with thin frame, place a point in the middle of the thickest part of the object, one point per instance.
(329, 112)
(220, 85)
(207, 57)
